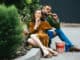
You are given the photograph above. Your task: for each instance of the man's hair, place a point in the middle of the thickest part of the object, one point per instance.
(45, 6)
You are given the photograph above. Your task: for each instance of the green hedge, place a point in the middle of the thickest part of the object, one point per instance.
(10, 31)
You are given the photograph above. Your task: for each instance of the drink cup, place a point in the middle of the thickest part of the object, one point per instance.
(60, 47)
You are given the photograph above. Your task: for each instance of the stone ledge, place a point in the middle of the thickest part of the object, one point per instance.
(33, 54)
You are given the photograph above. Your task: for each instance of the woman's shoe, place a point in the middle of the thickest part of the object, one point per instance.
(48, 56)
(53, 52)
(47, 53)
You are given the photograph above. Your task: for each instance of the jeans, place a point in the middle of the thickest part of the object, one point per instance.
(61, 35)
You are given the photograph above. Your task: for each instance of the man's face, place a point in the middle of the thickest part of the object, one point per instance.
(47, 9)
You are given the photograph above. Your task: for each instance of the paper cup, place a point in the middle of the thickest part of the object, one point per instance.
(60, 47)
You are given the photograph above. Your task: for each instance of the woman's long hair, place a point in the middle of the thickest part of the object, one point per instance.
(33, 17)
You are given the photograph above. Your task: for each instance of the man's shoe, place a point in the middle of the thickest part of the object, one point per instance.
(74, 49)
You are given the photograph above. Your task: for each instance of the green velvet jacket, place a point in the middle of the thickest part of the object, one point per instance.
(52, 22)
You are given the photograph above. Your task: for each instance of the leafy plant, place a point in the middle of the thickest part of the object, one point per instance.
(25, 7)
(10, 31)
(18, 3)
(30, 7)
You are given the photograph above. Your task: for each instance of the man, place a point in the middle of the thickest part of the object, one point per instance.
(53, 20)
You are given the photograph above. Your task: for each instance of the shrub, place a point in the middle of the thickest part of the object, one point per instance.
(10, 31)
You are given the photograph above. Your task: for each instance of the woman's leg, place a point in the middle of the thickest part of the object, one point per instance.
(38, 42)
(44, 38)
(30, 41)
(44, 49)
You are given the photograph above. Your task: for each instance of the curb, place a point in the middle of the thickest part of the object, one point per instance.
(33, 54)
(70, 24)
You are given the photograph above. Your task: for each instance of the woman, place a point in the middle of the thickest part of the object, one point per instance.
(38, 37)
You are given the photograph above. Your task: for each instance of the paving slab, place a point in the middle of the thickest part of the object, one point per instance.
(65, 56)
(73, 33)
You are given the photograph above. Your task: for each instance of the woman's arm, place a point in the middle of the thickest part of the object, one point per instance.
(37, 23)
(33, 27)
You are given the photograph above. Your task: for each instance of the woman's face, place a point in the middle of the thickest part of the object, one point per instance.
(38, 14)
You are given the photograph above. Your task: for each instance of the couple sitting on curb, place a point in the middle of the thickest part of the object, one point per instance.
(40, 31)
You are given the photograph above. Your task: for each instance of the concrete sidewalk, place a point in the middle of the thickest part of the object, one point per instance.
(65, 56)
(73, 33)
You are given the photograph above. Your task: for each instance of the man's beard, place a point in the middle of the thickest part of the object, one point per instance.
(45, 14)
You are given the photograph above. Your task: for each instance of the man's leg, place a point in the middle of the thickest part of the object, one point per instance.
(63, 37)
(51, 35)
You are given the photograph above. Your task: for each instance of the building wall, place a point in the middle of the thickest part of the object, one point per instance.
(68, 10)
